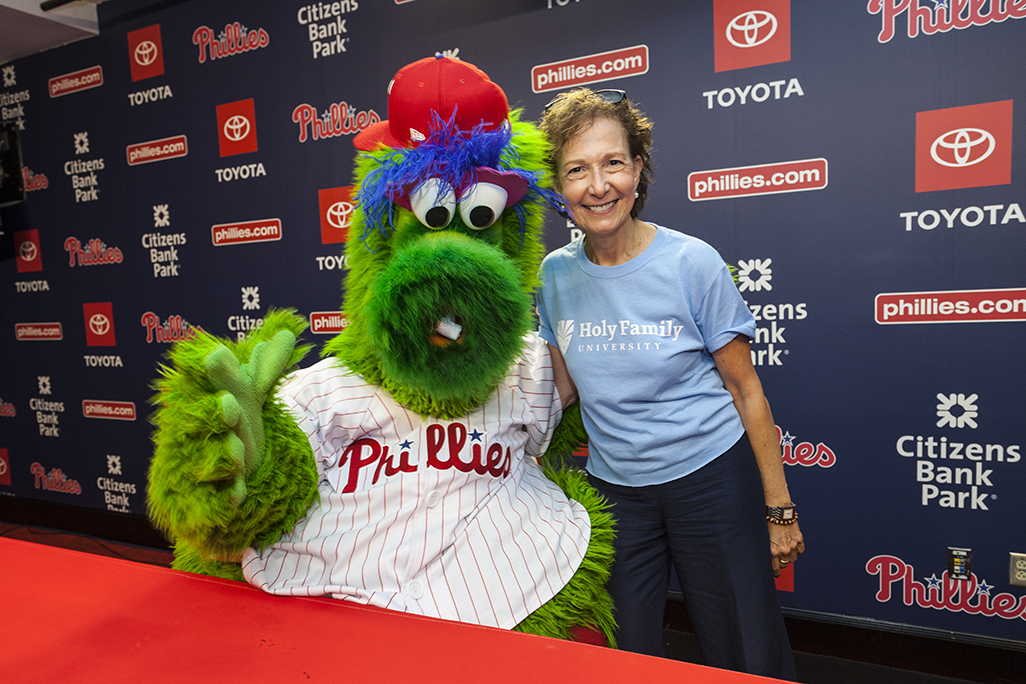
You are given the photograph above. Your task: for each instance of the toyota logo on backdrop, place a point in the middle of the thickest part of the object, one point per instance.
(146, 58)
(145, 53)
(29, 255)
(336, 207)
(28, 251)
(236, 127)
(99, 320)
(99, 324)
(750, 33)
(964, 147)
(751, 29)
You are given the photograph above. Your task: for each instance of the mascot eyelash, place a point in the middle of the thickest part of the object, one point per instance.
(451, 156)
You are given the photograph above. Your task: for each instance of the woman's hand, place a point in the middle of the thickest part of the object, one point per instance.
(786, 544)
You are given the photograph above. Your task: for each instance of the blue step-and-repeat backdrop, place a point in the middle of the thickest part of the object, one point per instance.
(862, 164)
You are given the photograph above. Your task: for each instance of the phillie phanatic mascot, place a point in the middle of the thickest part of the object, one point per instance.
(400, 470)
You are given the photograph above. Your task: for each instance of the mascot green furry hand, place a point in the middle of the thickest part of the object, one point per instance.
(400, 471)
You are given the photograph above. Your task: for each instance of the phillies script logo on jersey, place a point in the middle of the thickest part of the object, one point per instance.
(964, 147)
(236, 127)
(336, 205)
(99, 324)
(972, 596)
(26, 246)
(748, 33)
(145, 54)
(447, 447)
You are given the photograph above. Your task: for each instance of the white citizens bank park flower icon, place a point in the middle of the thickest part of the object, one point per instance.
(957, 410)
(236, 128)
(754, 275)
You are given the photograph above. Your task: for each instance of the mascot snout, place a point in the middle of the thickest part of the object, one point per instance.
(470, 285)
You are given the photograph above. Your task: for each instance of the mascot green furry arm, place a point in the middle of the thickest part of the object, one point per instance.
(399, 471)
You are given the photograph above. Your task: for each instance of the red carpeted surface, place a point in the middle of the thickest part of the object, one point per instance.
(77, 617)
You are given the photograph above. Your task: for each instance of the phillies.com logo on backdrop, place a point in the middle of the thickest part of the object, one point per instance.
(26, 245)
(236, 127)
(145, 54)
(748, 33)
(964, 147)
(99, 324)
(336, 205)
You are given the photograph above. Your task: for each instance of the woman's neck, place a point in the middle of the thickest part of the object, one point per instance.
(619, 247)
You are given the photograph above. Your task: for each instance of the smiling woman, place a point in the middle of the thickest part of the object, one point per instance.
(682, 441)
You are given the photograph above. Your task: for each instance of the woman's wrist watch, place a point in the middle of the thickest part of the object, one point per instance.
(782, 515)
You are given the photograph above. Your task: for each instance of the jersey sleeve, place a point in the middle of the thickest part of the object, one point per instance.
(537, 385)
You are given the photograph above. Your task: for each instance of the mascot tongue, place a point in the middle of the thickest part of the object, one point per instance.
(449, 328)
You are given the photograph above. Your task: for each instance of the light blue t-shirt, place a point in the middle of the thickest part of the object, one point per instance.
(638, 339)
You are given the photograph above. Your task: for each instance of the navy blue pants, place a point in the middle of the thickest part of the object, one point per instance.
(711, 525)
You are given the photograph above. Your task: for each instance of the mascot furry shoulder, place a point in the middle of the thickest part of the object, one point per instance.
(400, 471)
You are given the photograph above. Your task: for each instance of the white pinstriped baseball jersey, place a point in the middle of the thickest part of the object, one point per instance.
(450, 519)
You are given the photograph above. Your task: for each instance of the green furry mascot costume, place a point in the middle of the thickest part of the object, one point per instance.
(399, 471)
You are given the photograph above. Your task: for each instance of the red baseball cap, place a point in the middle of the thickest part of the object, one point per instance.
(441, 85)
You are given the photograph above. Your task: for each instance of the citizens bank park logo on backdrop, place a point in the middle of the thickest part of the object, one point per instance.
(577, 71)
(145, 54)
(29, 255)
(236, 127)
(957, 467)
(749, 33)
(964, 147)
(336, 207)
(99, 324)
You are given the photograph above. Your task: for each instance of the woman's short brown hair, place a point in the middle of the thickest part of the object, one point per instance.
(570, 112)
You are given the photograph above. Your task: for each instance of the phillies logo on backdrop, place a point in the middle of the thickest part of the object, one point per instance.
(748, 33)
(99, 324)
(236, 127)
(145, 54)
(964, 147)
(972, 596)
(336, 206)
(30, 257)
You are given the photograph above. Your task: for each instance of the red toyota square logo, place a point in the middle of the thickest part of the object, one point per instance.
(751, 32)
(5, 468)
(336, 206)
(99, 324)
(145, 54)
(30, 257)
(964, 147)
(236, 127)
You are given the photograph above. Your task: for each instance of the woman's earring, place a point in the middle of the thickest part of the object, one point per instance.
(635, 194)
